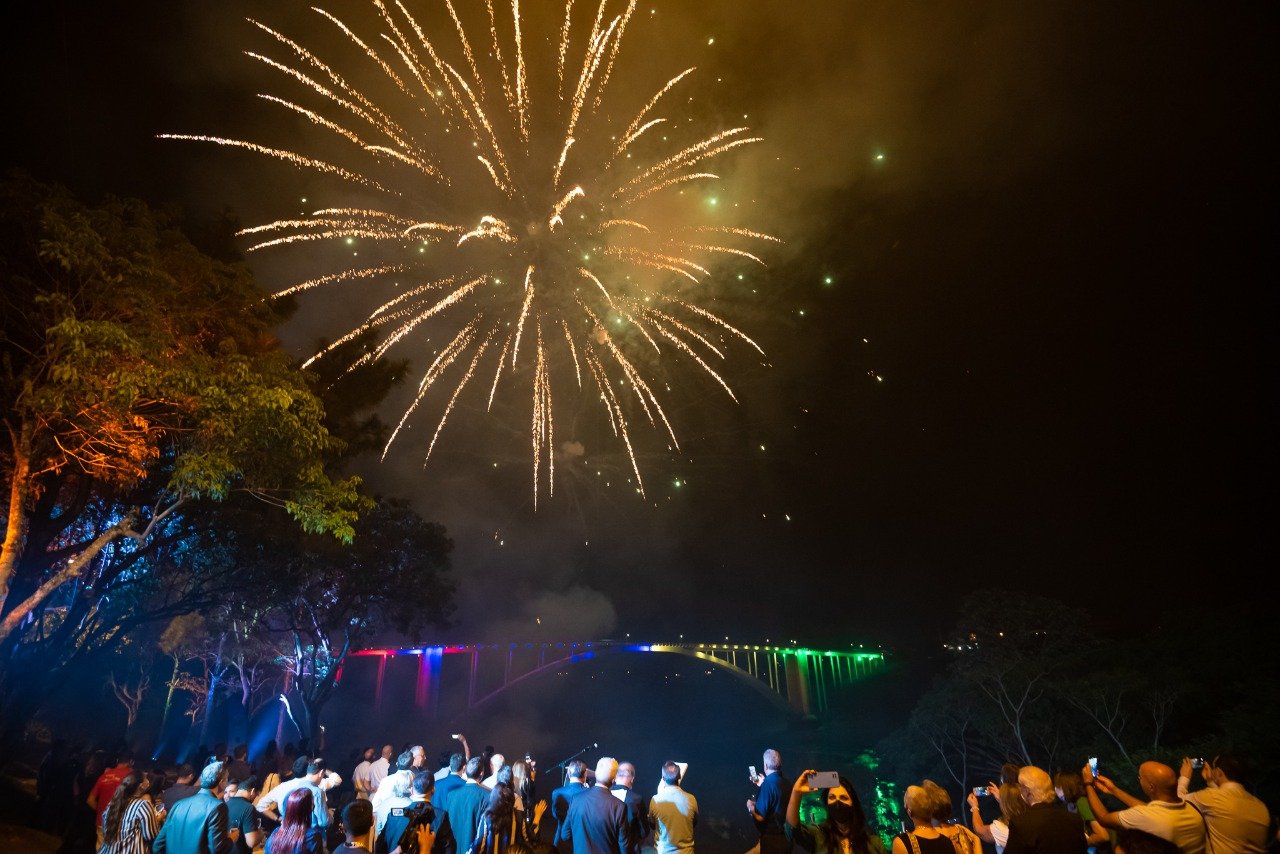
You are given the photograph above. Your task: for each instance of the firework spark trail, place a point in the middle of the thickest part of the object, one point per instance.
(466, 49)
(446, 358)
(573, 350)
(522, 86)
(613, 54)
(631, 133)
(564, 48)
(441, 129)
(497, 53)
(291, 157)
(342, 275)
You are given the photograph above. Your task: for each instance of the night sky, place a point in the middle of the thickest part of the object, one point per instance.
(1015, 333)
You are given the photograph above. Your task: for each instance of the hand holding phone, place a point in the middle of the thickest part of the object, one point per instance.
(1093, 765)
(755, 777)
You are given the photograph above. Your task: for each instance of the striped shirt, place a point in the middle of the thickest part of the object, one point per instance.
(138, 828)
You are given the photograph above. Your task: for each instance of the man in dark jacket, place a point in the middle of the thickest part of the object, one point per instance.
(597, 821)
(1047, 827)
(576, 784)
(637, 811)
(198, 824)
(465, 806)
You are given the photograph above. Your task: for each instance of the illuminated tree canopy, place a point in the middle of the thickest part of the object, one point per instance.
(142, 387)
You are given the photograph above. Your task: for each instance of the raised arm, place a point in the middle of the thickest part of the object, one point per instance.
(797, 793)
(980, 827)
(1092, 787)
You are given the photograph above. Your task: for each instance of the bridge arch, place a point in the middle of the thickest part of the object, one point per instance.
(795, 679)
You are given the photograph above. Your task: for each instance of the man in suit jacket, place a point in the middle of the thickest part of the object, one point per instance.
(198, 824)
(597, 821)
(465, 805)
(574, 786)
(637, 813)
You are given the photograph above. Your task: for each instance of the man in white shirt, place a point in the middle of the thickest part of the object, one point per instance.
(1237, 821)
(380, 768)
(673, 813)
(315, 777)
(1165, 815)
(360, 776)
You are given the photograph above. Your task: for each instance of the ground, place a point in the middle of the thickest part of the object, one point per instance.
(17, 806)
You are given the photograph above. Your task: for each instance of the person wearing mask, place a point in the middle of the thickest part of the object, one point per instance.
(844, 831)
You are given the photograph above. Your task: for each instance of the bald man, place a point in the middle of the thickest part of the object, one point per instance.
(1046, 827)
(1164, 814)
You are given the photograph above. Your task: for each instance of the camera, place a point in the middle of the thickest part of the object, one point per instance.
(1197, 762)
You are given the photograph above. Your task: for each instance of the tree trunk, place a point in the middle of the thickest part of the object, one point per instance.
(15, 534)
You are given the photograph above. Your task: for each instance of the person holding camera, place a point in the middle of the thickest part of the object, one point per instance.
(1009, 797)
(1236, 820)
(1164, 815)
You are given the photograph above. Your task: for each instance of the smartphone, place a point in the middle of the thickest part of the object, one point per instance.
(751, 769)
(824, 780)
(1198, 762)
(980, 791)
(1093, 765)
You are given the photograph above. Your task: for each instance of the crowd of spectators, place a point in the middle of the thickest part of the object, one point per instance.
(289, 801)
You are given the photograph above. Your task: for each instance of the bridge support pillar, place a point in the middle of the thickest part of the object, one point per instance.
(382, 675)
(427, 690)
(797, 667)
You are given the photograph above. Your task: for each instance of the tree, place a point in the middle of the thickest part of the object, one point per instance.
(142, 386)
(332, 597)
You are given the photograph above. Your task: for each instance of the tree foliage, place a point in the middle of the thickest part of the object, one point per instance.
(1031, 681)
(143, 389)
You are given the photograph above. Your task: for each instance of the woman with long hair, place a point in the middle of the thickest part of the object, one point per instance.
(295, 835)
(1069, 787)
(501, 830)
(130, 822)
(845, 829)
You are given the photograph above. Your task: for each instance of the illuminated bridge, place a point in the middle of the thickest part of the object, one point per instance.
(795, 678)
